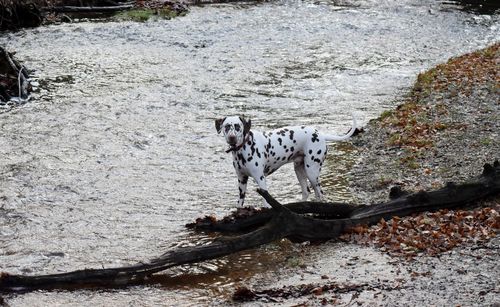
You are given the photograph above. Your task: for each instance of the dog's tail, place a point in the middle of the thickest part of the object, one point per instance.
(330, 137)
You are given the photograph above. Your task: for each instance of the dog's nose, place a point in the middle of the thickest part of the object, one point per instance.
(231, 139)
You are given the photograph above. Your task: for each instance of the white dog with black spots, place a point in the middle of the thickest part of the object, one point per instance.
(259, 154)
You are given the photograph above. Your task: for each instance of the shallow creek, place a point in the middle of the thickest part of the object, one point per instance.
(117, 149)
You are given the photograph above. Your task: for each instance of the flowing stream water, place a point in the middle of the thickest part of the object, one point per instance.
(117, 149)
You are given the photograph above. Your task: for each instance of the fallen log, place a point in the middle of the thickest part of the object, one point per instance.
(281, 222)
(90, 9)
(401, 204)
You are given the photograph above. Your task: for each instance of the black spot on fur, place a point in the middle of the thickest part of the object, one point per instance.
(319, 152)
(310, 151)
(291, 148)
(291, 134)
(240, 157)
(245, 180)
(261, 177)
(250, 159)
(268, 146)
(256, 163)
(307, 165)
(280, 141)
(317, 160)
(315, 137)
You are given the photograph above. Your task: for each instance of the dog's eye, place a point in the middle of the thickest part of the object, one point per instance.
(227, 127)
(237, 127)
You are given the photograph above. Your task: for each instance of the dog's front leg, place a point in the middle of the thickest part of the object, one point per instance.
(261, 182)
(242, 187)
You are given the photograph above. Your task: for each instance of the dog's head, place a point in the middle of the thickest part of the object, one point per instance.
(234, 128)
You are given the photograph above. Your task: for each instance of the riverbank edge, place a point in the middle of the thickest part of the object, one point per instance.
(446, 129)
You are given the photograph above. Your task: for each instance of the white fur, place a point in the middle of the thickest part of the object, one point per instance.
(258, 154)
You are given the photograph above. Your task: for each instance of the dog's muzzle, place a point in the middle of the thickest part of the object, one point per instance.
(232, 140)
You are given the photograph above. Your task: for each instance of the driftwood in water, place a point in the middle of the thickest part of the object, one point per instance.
(275, 224)
(90, 9)
(13, 78)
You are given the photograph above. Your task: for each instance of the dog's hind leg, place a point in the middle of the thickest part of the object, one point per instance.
(302, 177)
(312, 171)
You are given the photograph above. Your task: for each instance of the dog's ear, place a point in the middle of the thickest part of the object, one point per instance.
(247, 124)
(218, 124)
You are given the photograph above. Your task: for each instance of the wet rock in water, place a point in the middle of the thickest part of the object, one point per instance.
(14, 84)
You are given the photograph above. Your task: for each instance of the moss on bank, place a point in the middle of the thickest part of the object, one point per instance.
(145, 14)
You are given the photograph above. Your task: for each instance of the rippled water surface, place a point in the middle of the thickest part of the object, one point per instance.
(118, 150)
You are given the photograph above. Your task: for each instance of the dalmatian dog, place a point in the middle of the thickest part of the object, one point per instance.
(258, 154)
